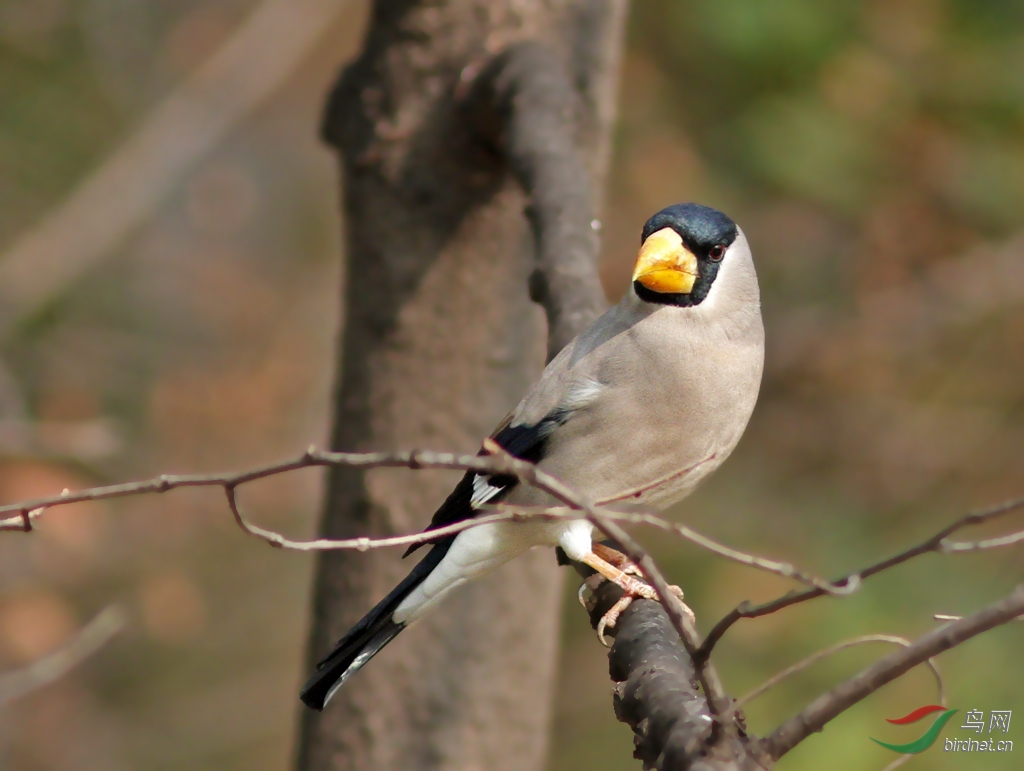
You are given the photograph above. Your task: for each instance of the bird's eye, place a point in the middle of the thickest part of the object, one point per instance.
(717, 252)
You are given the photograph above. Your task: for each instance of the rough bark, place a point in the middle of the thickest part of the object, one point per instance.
(440, 340)
(657, 694)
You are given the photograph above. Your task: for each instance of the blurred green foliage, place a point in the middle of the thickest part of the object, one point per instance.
(873, 154)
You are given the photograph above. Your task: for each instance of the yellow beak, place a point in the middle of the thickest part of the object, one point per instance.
(665, 265)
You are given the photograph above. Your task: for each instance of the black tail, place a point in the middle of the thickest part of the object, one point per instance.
(363, 641)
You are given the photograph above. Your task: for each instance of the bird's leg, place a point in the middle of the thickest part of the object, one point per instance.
(620, 570)
(616, 558)
(625, 564)
(629, 584)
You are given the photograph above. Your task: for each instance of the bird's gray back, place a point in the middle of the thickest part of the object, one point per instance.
(654, 397)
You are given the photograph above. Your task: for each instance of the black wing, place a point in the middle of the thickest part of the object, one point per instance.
(528, 442)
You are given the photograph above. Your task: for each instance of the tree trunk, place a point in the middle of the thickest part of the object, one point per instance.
(440, 340)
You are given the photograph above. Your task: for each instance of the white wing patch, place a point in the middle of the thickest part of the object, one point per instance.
(483, 490)
(582, 394)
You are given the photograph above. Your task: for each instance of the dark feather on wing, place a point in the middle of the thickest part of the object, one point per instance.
(527, 442)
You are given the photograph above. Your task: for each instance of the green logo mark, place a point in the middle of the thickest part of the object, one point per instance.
(928, 738)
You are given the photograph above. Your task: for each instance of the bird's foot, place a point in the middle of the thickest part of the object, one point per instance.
(623, 572)
(611, 616)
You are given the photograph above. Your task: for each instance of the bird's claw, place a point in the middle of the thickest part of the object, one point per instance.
(611, 617)
(643, 591)
(634, 588)
(614, 566)
(579, 595)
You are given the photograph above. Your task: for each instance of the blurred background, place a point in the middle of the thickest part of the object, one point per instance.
(873, 152)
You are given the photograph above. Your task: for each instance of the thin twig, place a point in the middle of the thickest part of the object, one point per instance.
(956, 547)
(632, 516)
(814, 658)
(54, 665)
(497, 461)
(935, 544)
(29, 511)
(840, 698)
(706, 675)
(897, 763)
(947, 617)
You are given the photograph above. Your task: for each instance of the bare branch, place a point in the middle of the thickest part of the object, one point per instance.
(640, 517)
(54, 665)
(498, 461)
(954, 547)
(724, 730)
(656, 695)
(897, 763)
(526, 104)
(936, 543)
(823, 709)
(29, 511)
(688, 634)
(814, 658)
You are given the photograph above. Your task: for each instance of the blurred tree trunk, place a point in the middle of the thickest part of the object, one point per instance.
(440, 340)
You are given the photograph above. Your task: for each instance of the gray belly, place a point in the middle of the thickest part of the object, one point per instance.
(652, 444)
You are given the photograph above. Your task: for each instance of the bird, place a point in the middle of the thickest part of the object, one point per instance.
(640, 407)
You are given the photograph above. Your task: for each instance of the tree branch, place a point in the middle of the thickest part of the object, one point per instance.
(656, 694)
(823, 709)
(936, 543)
(629, 513)
(685, 630)
(525, 105)
(498, 462)
(814, 658)
(433, 148)
(666, 691)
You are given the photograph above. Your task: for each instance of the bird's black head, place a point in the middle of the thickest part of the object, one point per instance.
(682, 249)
